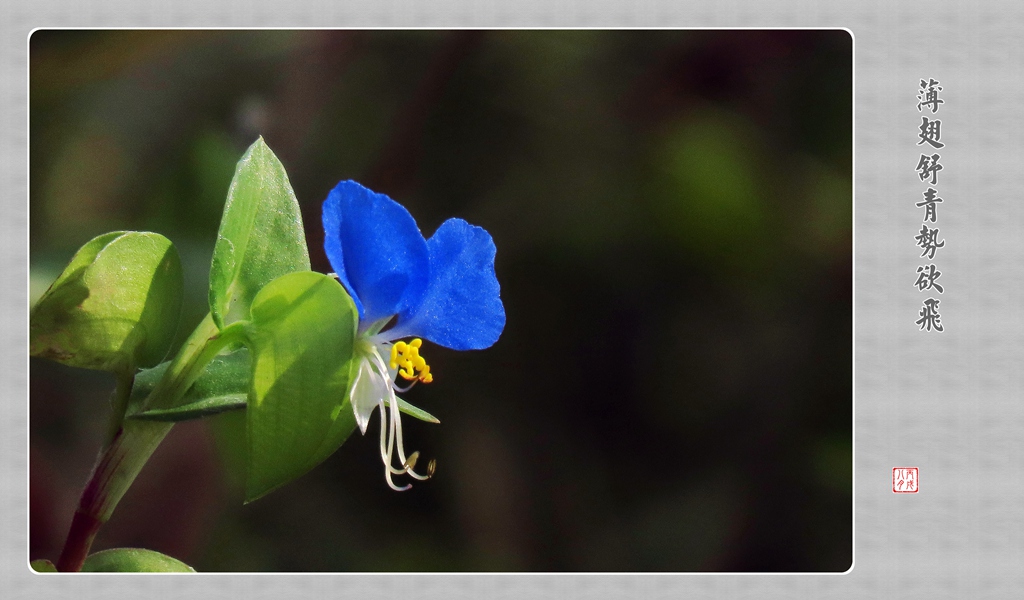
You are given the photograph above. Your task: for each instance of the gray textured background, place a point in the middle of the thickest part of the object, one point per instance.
(946, 403)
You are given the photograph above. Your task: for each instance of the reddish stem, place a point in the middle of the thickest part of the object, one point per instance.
(115, 470)
(133, 442)
(86, 522)
(83, 530)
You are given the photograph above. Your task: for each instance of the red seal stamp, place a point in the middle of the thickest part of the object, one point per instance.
(904, 480)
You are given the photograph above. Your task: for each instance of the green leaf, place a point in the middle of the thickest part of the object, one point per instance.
(223, 385)
(133, 560)
(114, 308)
(260, 237)
(194, 410)
(302, 337)
(43, 566)
(416, 412)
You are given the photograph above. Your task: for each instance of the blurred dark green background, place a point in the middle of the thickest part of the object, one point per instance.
(672, 211)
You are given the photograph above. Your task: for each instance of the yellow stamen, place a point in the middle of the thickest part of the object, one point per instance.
(397, 349)
(406, 358)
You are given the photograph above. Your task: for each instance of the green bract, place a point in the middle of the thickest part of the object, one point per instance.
(133, 560)
(222, 386)
(260, 237)
(114, 308)
(301, 337)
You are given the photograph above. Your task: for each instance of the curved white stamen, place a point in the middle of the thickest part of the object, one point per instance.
(387, 437)
(401, 453)
(402, 390)
(391, 443)
(389, 470)
(395, 419)
(385, 452)
(383, 436)
(390, 422)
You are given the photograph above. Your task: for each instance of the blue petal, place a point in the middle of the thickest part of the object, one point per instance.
(461, 308)
(376, 249)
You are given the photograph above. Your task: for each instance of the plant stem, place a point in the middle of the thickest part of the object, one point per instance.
(83, 531)
(132, 442)
(115, 470)
(119, 405)
(199, 349)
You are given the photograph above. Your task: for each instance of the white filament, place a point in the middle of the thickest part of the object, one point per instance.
(374, 387)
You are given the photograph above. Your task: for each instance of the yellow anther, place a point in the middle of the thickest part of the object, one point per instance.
(406, 358)
(396, 350)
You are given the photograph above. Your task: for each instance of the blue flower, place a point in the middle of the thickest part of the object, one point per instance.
(441, 289)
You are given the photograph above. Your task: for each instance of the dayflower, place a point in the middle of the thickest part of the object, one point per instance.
(441, 289)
